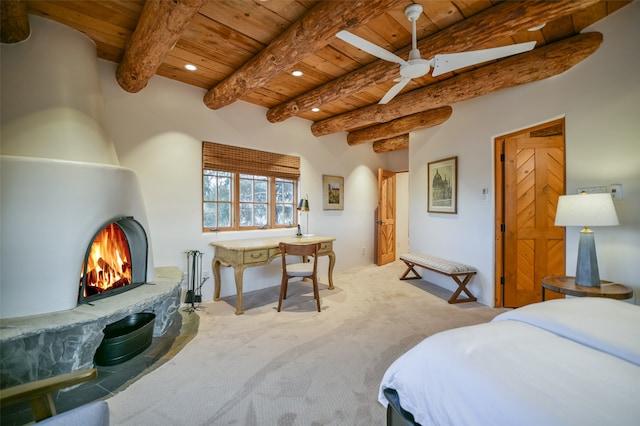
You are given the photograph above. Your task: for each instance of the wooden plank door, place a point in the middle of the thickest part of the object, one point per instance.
(386, 220)
(533, 179)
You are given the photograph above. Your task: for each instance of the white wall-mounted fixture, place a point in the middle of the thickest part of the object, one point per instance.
(616, 191)
(485, 194)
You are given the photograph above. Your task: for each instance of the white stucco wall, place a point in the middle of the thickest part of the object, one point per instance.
(402, 213)
(600, 100)
(51, 100)
(158, 133)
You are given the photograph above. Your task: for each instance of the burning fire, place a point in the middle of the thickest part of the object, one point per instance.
(108, 265)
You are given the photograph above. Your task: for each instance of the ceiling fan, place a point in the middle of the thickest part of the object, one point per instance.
(416, 67)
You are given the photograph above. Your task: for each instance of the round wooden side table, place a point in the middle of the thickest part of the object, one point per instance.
(567, 285)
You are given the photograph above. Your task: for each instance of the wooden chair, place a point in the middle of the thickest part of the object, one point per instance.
(39, 395)
(304, 269)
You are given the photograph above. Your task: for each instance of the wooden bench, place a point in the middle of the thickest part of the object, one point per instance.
(460, 273)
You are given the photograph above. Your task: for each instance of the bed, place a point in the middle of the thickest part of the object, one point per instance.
(560, 362)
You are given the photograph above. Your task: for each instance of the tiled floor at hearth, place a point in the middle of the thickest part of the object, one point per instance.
(112, 379)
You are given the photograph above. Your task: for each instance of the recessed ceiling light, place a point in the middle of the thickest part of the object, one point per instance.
(315, 109)
(191, 67)
(537, 27)
(297, 73)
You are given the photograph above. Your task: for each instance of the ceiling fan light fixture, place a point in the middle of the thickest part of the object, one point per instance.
(416, 67)
(315, 109)
(297, 73)
(413, 11)
(191, 67)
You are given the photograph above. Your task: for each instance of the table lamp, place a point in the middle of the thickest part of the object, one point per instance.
(303, 206)
(586, 210)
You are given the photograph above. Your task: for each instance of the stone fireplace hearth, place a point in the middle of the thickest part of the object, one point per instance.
(41, 346)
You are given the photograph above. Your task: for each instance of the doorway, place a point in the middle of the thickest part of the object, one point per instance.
(392, 216)
(386, 221)
(530, 177)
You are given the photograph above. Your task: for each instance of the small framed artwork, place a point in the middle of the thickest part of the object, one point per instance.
(332, 192)
(442, 186)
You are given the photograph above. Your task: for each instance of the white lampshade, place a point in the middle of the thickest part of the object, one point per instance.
(586, 210)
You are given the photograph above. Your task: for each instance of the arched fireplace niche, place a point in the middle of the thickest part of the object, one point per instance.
(115, 261)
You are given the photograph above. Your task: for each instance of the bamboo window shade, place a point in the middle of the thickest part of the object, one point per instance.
(235, 159)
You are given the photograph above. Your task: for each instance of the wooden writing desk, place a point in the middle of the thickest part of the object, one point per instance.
(241, 254)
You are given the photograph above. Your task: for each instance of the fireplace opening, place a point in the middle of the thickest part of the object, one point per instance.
(115, 261)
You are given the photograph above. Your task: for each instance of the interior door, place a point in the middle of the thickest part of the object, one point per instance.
(386, 220)
(533, 177)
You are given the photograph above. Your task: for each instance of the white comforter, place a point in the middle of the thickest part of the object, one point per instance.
(560, 362)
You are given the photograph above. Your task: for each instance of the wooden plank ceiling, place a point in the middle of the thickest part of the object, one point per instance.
(247, 49)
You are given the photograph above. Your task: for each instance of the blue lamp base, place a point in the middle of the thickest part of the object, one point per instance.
(587, 273)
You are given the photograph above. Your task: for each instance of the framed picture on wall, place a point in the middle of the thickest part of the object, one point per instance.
(332, 192)
(442, 186)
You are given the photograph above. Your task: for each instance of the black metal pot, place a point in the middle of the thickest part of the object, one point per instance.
(126, 338)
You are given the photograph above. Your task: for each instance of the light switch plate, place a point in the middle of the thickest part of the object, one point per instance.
(616, 191)
(485, 194)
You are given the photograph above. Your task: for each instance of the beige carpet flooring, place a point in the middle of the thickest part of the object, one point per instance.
(296, 367)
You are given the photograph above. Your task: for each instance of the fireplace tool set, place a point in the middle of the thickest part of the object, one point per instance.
(195, 281)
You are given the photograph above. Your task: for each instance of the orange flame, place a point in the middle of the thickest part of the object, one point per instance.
(108, 265)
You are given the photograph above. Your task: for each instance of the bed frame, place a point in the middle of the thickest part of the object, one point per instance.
(396, 416)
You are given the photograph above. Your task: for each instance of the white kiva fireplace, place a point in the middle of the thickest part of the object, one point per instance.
(52, 217)
(76, 250)
(62, 185)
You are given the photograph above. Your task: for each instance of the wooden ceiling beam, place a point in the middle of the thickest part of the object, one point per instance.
(502, 20)
(399, 126)
(524, 68)
(160, 27)
(14, 21)
(392, 144)
(312, 32)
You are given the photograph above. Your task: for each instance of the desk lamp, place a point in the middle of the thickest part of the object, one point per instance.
(303, 206)
(586, 210)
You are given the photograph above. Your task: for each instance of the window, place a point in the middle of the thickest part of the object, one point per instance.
(216, 199)
(247, 189)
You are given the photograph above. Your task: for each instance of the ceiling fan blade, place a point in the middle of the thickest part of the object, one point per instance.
(403, 81)
(449, 62)
(369, 47)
